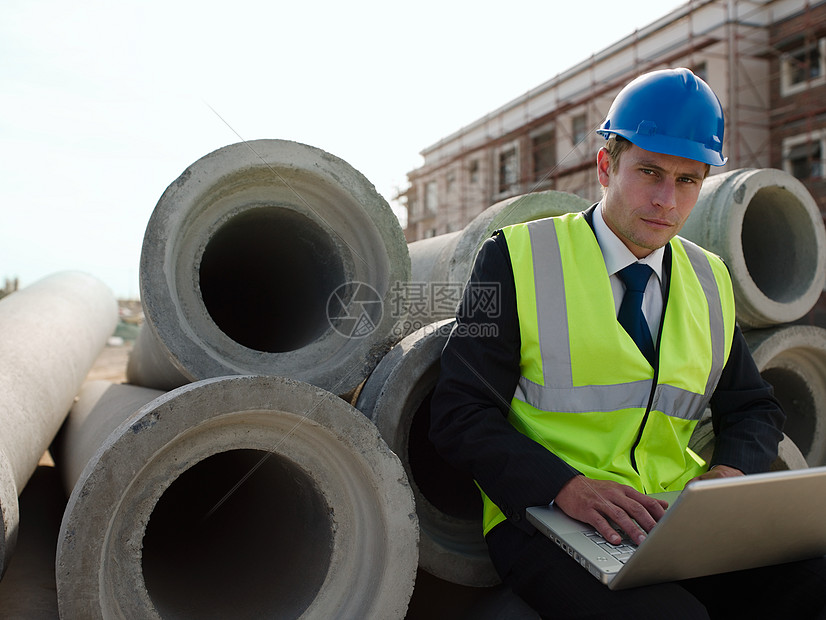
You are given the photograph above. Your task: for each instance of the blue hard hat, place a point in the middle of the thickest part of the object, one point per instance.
(671, 111)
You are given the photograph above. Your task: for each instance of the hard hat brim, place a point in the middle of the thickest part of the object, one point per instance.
(666, 145)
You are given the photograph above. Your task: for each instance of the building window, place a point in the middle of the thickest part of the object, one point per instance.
(803, 156)
(701, 71)
(473, 171)
(451, 181)
(803, 67)
(431, 198)
(544, 155)
(508, 169)
(579, 128)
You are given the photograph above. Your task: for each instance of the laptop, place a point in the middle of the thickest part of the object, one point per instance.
(712, 526)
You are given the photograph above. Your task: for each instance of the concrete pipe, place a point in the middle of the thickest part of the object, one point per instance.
(241, 496)
(53, 330)
(768, 229)
(793, 359)
(396, 398)
(275, 258)
(149, 364)
(441, 265)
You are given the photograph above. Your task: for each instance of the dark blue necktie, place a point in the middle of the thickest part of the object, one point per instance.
(630, 316)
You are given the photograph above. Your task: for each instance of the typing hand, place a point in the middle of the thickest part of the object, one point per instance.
(598, 501)
(718, 471)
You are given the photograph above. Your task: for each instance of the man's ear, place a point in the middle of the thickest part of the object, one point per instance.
(603, 167)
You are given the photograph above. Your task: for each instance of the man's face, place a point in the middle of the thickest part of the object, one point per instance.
(649, 196)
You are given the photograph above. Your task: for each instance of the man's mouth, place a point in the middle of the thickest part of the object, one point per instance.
(658, 223)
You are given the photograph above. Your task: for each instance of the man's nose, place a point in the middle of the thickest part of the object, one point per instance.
(666, 194)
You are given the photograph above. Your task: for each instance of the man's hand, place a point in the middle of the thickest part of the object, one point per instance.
(598, 501)
(718, 471)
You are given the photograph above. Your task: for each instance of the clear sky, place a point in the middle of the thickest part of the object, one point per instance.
(103, 103)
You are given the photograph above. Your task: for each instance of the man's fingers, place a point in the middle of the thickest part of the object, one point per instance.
(648, 511)
(605, 504)
(605, 529)
(632, 526)
(634, 513)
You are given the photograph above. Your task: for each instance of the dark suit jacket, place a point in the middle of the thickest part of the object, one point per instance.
(479, 374)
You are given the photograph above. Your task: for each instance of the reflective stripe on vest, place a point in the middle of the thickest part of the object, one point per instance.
(589, 407)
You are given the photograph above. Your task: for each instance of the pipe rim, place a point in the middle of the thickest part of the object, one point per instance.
(374, 529)
(761, 205)
(451, 546)
(333, 200)
(796, 356)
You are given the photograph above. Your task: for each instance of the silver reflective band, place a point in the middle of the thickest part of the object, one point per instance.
(699, 262)
(671, 400)
(551, 308)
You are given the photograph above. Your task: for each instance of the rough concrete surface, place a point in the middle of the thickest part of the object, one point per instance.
(27, 590)
(396, 398)
(272, 257)
(249, 496)
(52, 332)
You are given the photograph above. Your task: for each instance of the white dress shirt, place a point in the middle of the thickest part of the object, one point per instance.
(617, 256)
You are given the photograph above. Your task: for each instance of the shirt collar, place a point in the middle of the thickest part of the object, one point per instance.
(617, 256)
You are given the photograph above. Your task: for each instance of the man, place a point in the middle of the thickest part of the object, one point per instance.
(581, 399)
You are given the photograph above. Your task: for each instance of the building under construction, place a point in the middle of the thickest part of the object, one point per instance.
(766, 60)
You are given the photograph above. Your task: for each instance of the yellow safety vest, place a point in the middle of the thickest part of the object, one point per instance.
(585, 391)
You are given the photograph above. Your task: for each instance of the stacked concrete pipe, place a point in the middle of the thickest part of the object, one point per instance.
(239, 496)
(768, 229)
(441, 265)
(53, 330)
(793, 359)
(269, 257)
(396, 398)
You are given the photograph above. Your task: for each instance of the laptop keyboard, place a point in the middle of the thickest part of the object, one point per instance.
(621, 552)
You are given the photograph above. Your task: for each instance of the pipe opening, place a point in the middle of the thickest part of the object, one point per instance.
(263, 552)
(266, 276)
(779, 244)
(448, 489)
(796, 397)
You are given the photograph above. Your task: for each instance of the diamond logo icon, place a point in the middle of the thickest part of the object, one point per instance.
(354, 309)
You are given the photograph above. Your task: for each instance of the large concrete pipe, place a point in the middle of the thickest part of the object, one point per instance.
(441, 265)
(769, 230)
(793, 359)
(52, 332)
(149, 364)
(238, 496)
(396, 398)
(275, 258)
